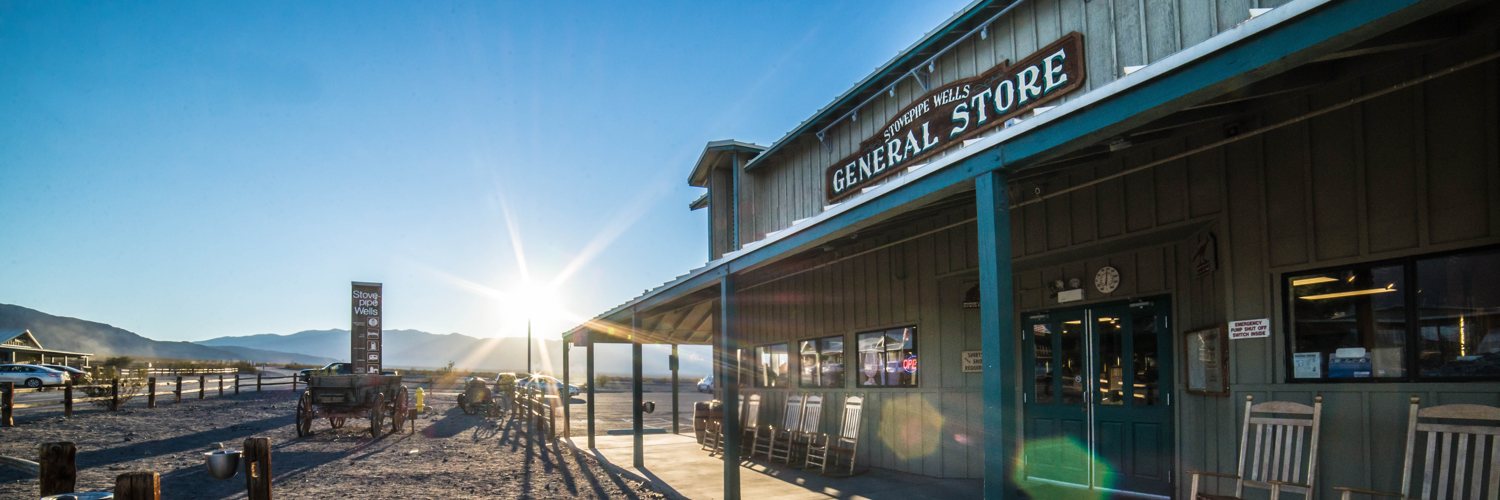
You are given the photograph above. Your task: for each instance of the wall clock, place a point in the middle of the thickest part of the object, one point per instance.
(1107, 279)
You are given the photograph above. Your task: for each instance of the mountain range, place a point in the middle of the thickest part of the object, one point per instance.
(77, 335)
(404, 348)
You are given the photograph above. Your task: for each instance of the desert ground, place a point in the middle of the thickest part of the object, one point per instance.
(451, 455)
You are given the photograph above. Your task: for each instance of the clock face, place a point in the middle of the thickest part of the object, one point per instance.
(1107, 279)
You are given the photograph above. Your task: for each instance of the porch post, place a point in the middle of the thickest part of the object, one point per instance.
(635, 392)
(676, 428)
(589, 372)
(730, 368)
(567, 399)
(997, 340)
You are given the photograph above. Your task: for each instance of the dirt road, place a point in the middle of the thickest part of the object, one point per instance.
(451, 455)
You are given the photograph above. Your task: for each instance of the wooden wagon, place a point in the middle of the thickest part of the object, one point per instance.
(339, 397)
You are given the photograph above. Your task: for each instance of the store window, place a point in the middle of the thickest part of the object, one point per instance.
(822, 362)
(888, 358)
(771, 369)
(1423, 318)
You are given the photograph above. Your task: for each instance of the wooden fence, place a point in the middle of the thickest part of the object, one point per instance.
(113, 393)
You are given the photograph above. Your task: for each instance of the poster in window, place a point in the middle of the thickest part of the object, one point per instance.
(1206, 361)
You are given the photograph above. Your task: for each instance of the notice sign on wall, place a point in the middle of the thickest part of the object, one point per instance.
(972, 361)
(948, 114)
(365, 328)
(1250, 329)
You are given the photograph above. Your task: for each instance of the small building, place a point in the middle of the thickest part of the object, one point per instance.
(19, 345)
(1062, 241)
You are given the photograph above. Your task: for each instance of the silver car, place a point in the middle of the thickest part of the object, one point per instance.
(32, 376)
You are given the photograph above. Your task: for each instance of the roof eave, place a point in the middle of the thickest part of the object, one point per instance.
(699, 176)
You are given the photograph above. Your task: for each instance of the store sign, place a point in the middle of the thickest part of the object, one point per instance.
(365, 328)
(1250, 329)
(959, 110)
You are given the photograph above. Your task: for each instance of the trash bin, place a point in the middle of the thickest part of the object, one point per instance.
(703, 412)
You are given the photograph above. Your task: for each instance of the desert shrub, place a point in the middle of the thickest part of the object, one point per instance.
(130, 387)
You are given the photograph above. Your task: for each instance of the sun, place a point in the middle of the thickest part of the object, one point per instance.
(536, 303)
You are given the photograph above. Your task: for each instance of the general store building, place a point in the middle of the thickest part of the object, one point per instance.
(1025, 239)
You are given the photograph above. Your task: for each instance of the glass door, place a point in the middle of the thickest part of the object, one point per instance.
(1056, 414)
(1099, 383)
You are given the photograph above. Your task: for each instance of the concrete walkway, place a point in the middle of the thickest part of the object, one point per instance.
(676, 466)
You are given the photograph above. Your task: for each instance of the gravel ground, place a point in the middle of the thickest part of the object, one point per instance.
(451, 455)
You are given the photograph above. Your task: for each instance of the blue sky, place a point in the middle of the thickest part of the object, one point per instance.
(189, 170)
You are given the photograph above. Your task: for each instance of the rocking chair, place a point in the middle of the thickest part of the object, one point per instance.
(824, 450)
(766, 443)
(1456, 437)
(1271, 448)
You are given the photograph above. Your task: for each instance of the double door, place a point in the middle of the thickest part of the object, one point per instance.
(1098, 400)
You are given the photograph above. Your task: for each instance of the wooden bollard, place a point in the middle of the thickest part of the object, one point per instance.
(202, 385)
(258, 381)
(236, 383)
(58, 470)
(7, 403)
(294, 382)
(178, 391)
(257, 458)
(138, 486)
(221, 384)
(114, 394)
(151, 392)
(67, 403)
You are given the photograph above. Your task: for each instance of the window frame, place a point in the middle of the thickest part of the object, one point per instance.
(758, 371)
(843, 382)
(859, 353)
(1410, 361)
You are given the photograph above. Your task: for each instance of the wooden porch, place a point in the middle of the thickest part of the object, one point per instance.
(676, 465)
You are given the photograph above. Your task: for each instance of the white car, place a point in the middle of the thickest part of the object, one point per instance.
(706, 384)
(548, 385)
(32, 376)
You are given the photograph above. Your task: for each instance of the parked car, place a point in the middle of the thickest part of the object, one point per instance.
(339, 368)
(32, 376)
(79, 376)
(706, 384)
(549, 385)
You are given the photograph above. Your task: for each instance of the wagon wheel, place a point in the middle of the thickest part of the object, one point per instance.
(304, 414)
(376, 413)
(335, 422)
(398, 410)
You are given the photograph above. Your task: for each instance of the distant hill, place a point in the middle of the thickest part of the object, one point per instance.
(419, 349)
(72, 334)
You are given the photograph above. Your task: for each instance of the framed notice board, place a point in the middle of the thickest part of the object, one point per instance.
(1206, 361)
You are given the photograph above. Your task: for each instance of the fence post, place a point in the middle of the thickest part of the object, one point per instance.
(7, 403)
(221, 384)
(258, 381)
(236, 383)
(114, 394)
(294, 381)
(178, 391)
(202, 385)
(67, 403)
(138, 486)
(257, 457)
(58, 470)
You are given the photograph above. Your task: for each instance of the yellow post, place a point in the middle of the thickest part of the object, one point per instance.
(421, 400)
